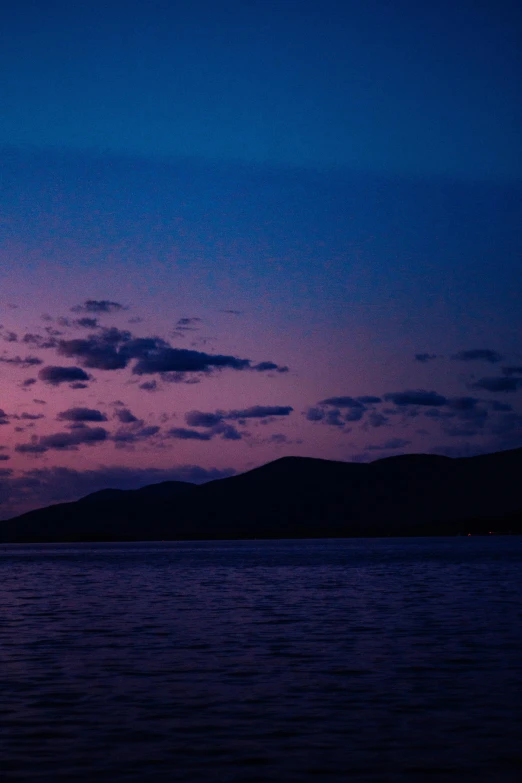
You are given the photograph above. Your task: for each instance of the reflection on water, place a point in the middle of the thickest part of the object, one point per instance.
(368, 660)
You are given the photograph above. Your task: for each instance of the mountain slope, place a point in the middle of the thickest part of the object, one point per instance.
(298, 497)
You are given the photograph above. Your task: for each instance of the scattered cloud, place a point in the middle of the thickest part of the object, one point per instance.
(200, 419)
(63, 441)
(314, 414)
(267, 366)
(125, 416)
(425, 357)
(186, 325)
(416, 397)
(181, 433)
(182, 360)
(478, 354)
(150, 386)
(17, 361)
(391, 444)
(55, 375)
(86, 323)
(342, 402)
(126, 437)
(98, 306)
(498, 384)
(81, 414)
(376, 419)
(10, 337)
(38, 341)
(260, 412)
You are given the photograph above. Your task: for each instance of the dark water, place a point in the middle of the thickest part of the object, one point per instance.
(367, 660)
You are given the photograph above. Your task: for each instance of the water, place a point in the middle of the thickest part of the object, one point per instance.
(366, 660)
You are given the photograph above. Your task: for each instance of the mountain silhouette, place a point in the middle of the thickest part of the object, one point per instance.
(299, 497)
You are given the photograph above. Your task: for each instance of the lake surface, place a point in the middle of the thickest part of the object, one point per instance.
(366, 660)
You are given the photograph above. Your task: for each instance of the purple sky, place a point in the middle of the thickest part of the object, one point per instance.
(220, 246)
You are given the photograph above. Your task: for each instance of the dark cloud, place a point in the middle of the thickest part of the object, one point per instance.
(232, 312)
(509, 371)
(200, 419)
(40, 402)
(38, 341)
(267, 366)
(391, 444)
(125, 437)
(150, 386)
(56, 375)
(500, 384)
(17, 361)
(63, 441)
(499, 406)
(368, 399)
(181, 360)
(260, 412)
(228, 432)
(4, 418)
(113, 349)
(141, 347)
(425, 357)
(28, 382)
(86, 323)
(342, 402)
(181, 433)
(376, 419)
(460, 431)
(478, 354)
(30, 448)
(278, 438)
(416, 397)
(463, 403)
(314, 414)
(354, 414)
(333, 418)
(81, 414)
(74, 438)
(32, 416)
(4, 457)
(98, 351)
(125, 416)
(187, 325)
(354, 410)
(10, 337)
(78, 385)
(98, 306)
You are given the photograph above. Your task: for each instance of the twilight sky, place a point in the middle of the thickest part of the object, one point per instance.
(234, 231)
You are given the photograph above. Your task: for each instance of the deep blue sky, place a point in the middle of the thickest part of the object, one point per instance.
(332, 188)
(402, 86)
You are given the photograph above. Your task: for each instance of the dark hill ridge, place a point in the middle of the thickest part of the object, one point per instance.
(298, 497)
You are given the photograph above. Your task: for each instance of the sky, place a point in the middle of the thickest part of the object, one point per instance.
(231, 232)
